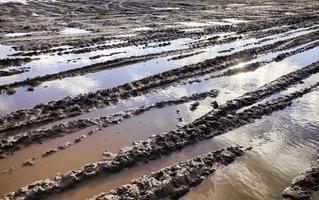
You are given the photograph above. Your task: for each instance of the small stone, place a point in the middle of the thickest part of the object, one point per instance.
(10, 91)
(12, 168)
(29, 162)
(2, 156)
(214, 104)
(194, 106)
(79, 139)
(65, 145)
(30, 89)
(49, 152)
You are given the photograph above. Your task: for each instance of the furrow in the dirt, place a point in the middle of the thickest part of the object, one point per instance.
(37, 76)
(210, 125)
(175, 181)
(82, 70)
(11, 144)
(304, 185)
(102, 98)
(16, 142)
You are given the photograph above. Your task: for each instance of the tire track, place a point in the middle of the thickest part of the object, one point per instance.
(11, 144)
(175, 181)
(215, 123)
(83, 103)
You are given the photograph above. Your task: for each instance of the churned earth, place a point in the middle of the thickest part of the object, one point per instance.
(136, 99)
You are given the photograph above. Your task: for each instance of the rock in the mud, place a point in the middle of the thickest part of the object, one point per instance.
(303, 185)
(10, 91)
(65, 145)
(49, 152)
(108, 155)
(30, 89)
(175, 181)
(214, 104)
(194, 106)
(79, 139)
(29, 162)
(12, 168)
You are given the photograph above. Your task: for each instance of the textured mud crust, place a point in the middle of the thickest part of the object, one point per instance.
(175, 181)
(4, 63)
(210, 125)
(303, 185)
(11, 144)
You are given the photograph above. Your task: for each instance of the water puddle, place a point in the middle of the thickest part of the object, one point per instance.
(142, 29)
(112, 139)
(286, 136)
(24, 34)
(246, 177)
(165, 8)
(5, 51)
(16, 1)
(73, 31)
(111, 78)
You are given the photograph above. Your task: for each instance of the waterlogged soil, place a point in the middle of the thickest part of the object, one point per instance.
(159, 100)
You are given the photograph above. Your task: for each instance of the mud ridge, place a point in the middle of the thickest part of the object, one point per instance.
(185, 55)
(11, 72)
(175, 181)
(14, 62)
(303, 185)
(159, 145)
(12, 143)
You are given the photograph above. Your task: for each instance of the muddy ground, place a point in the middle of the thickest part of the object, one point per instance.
(127, 99)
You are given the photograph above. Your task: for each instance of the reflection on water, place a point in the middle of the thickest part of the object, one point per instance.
(23, 34)
(115, 77)
(72, 31)
(5, 51)
(77, 85)
(112, 139)
(285, 144)
(18, 1)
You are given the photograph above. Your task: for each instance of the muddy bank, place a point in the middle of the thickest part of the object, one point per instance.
(17, 142)
(156, 146)
(175, 181)
(304, 185)
(83, 103)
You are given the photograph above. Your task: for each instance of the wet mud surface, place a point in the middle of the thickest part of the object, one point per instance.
(158, 100)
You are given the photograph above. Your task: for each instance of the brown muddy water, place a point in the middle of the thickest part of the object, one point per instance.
(283, 144)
